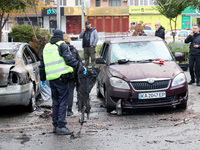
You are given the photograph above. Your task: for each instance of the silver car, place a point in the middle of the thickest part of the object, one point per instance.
(19, 75)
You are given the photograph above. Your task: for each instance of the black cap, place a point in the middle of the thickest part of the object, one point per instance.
(58, 33)
(87, 22)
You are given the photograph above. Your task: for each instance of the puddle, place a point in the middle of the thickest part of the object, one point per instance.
(23, 139)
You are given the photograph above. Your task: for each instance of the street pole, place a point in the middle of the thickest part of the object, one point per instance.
(83, 14)
(58, 14)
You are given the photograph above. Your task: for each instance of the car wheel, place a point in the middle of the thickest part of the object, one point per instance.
(109, 109)
(182, 106)
(98, 91)
(32, 105)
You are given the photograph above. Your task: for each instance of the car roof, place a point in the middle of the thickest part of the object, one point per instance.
(11, 45)
(132, 39)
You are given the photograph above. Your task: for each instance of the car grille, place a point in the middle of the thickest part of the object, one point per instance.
(144, 85)
(152, 101)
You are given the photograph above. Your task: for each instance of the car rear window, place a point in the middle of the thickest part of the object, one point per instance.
(139, 51)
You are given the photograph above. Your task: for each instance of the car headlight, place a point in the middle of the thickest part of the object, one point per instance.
(119, 83)
(179, 79)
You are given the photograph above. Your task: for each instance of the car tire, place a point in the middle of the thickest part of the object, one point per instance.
(182, 106)
(108, 108)
(98, 91)
(32, 104)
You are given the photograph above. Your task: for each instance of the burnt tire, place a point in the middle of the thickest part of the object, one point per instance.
(32, 104)
(98, 90)
(108, 108)
(182, 106)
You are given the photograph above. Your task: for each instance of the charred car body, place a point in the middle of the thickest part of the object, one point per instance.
(19, 75)
(140, 72)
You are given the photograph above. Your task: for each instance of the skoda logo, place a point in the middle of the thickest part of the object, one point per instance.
(151, 81)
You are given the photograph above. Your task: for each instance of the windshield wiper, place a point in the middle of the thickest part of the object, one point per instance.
(122, 61)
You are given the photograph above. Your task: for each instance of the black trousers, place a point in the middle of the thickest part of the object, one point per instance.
(194, 66)
(59, 91)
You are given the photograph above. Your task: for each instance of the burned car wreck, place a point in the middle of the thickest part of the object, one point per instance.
(19, 75)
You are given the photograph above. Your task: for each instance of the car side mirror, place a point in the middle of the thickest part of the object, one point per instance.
(179, 57)
(100, 61)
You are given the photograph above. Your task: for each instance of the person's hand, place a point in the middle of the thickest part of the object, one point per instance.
(92, 46)
(43, 83)
(85, 70)
(84, 29)
(196, 46)
(192, 33)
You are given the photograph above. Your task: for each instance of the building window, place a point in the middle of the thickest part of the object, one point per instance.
(114, 2)
(78, 2)
(142, 2)
(98, 3)
(63, 3)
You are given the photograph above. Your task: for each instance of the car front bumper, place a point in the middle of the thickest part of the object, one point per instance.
(15, 95)
(129, 98)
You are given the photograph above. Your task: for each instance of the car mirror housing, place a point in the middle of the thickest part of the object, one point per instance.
(100, 61)
(179, 56)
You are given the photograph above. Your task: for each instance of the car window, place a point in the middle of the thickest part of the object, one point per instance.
(105, 51)
(25, 59)
(7, 56)
(102, 50)
(183, 34)
(138, 51)
(147, 28)
(29, 55)
(34, 53)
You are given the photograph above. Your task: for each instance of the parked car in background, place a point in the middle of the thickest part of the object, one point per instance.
(19, 74)
(180, 36)
(140, 72)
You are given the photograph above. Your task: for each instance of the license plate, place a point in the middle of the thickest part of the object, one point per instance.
(152, 95)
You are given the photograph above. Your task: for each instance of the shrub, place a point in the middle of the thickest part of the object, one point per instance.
(180, 47)
(24, 33)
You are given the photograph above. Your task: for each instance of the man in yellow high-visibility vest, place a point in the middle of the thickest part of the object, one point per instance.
(57, 64)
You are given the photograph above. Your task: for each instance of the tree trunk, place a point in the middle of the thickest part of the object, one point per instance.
(2, 24)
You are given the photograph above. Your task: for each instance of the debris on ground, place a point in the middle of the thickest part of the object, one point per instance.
(46, 114)
(185, 121)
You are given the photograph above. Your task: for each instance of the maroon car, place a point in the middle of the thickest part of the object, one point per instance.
(140, 72)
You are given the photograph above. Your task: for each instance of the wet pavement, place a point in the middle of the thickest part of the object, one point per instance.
(146, 129)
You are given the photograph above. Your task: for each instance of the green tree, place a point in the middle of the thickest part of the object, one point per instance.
(172, 8)
(7, 7)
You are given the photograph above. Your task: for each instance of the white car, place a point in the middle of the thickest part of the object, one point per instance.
(180, 36)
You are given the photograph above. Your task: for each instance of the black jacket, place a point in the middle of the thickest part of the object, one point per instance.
(195, 40)
(64, 52)
(161, 33)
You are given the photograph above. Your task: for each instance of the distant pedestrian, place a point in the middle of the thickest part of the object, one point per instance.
(194, 60)
(56, 64)
(139, 30)
(160, 31)
(73, 75)
(90, 39)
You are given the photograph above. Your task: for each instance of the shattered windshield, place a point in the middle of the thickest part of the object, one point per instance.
(140, 51)
(7, 56)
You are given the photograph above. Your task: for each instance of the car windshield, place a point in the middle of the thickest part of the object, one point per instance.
(7, 56)
(140, 51)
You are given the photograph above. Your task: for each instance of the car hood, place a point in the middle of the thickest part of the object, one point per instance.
(4, 73)
(135, 71)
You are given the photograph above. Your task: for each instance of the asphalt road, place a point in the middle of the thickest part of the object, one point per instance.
(146, 129)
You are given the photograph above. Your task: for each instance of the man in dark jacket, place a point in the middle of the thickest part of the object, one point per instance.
(160, 31)
(56, 63)
(90, 39)
(194, 60)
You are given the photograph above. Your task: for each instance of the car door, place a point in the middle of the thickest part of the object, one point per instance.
(32, 66)
(103, 67)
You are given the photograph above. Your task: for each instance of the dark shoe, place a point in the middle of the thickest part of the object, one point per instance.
(69, 113)
(191, 82)
(198, 83)
(64, 131)
(55, 129)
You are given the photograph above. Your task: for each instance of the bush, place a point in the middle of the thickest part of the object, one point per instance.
(24, 33)
(180, 47)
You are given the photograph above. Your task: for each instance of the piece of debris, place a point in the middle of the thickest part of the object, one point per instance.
(46, 114)
(181, 122)
(169, 141)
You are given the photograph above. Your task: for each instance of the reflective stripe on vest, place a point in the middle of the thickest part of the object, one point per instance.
(55, 65)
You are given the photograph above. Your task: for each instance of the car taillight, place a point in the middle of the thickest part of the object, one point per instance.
(13, 78)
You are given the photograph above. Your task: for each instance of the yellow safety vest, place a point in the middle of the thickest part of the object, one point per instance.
(55, 65)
